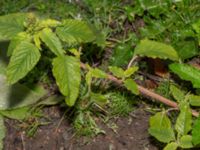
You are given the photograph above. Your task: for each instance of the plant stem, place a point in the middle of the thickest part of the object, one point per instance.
(147, 93)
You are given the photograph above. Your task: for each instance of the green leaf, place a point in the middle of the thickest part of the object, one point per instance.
(11, 25)
(16, 40)
(187, 49)
(186, 141)
(75, 31)
(177, 93)
(122, 55)
(97, 73)
(116, 71)
(130, 71)
(171, 146)
(24, 58)
(2, 132)
(18, 113)
(160, 128)
(184, 120)
(187, 72)
(131, 85)
(98, 98)
(66, 70)
(52, 41)
(195, 132)
(155, 49)
(194, 100)
(18, 95)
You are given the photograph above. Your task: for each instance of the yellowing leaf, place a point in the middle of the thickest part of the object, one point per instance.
(52, 41)
(131, 85)
(66, 70)
(155, 49)
(25, 56)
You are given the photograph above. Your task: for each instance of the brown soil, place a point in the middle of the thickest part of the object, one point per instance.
(131, 134)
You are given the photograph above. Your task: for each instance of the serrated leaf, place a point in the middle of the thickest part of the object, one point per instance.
(195, 132)
(24, 58)
(171, 146)
(187, 72)
(97, 73)
(155, 49)
(130, 71)
(75, 31)
(186, 141)
(2, 132)
(16, 40)
(131, 85)
(52, 41)
(160, 128)
(194, 100)
(177, 93)
(11, 25)
(66, 70)
(184, 121)
(116, 71)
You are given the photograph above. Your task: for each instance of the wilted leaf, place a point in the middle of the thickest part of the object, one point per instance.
(155, 49)
(66, 70)
(160, 128)
(187, 72)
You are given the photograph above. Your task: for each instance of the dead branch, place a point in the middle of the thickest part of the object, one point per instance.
(149, 94)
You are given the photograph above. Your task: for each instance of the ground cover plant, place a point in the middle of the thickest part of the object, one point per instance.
(82, 59)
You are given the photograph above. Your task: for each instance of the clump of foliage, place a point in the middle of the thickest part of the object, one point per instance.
(170, 31)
